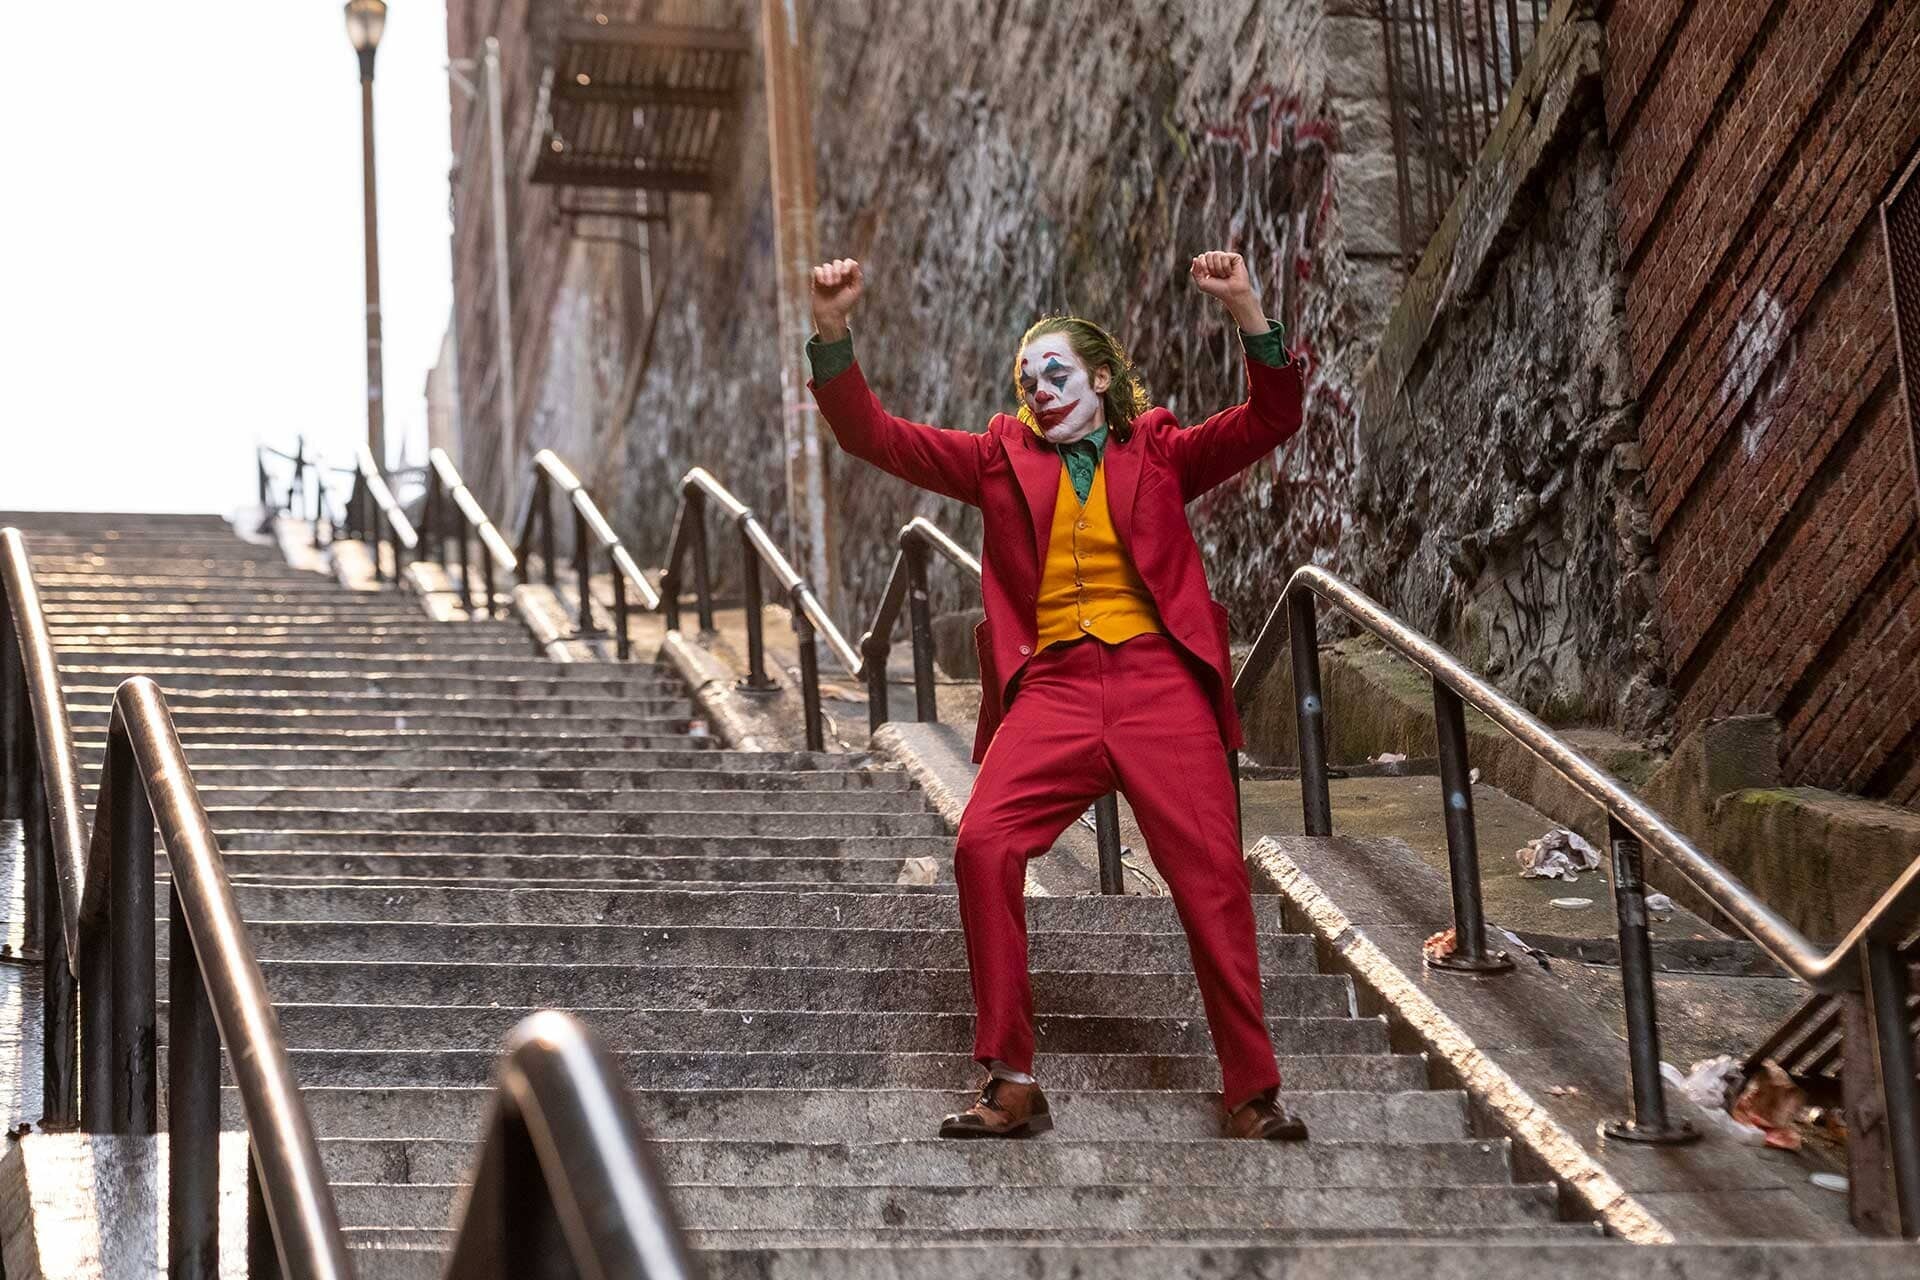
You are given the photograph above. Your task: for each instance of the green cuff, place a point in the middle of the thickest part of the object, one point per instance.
(1269, 348)
(829, 359)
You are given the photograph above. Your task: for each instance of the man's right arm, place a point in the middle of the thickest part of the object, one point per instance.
(947, 462)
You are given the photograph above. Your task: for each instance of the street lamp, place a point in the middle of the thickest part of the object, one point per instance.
(366, 19)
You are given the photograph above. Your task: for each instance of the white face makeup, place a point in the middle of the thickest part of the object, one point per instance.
(1064, 398)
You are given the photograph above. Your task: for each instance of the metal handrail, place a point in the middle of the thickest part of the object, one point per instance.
(907, 587)
(1867, 958)
(374, 516)
(107, 1079)
(550, 474)
(296, 498)
(443, 485)
(564, 1184)
(42, 788)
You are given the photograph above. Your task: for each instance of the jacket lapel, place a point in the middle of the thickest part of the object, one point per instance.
(1038, 468)
(1121, 461)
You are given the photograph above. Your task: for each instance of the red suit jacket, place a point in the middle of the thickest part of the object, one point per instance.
(1014, 477)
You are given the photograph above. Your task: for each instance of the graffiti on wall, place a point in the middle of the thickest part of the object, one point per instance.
(1260, 180)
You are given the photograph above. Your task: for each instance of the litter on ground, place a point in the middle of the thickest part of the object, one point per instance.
(1558, 855)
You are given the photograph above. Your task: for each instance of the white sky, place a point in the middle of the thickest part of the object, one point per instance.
(180, 243)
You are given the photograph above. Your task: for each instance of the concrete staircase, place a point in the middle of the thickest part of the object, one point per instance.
(434, 834)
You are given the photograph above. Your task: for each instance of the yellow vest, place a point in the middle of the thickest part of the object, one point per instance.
(1089, 587)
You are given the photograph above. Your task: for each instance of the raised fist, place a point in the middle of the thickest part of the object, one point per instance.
(1222, 275)
(836, 288)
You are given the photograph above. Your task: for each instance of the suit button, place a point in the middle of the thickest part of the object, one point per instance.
(1085, 625)
(1026, 648)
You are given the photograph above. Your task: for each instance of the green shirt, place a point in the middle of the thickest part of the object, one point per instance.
(1082, 457)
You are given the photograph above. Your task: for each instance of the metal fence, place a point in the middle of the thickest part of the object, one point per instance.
(1450, 65)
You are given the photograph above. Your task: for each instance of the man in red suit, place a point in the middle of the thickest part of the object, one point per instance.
(1103, 658)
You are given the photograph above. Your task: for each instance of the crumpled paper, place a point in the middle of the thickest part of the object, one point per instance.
(1558, 855)
(1772, 1103)
(1713, 1083)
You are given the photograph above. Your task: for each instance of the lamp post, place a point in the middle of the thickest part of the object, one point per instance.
(365, 21)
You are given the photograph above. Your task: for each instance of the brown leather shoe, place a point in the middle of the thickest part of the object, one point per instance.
(1004, 1110)
(1264, 1117)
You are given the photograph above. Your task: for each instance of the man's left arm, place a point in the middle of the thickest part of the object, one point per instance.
(1234, 439)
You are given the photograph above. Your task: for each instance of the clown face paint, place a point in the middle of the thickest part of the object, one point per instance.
(1064, 397)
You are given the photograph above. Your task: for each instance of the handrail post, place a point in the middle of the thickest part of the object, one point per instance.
(874, 650)
(1302, 636)
(1885, 973)
(522, 548)
(545, 498)
(59, 996)
(428, 551)
(193, 1107)
(583, 572)
(1470, 954)
(263, 1255)
(622, 642)
(1649, 1122)
(264, 486)
(466, 567)
(486, 581)
(297, 488)
(926, 704)
(756, 680)
(130, 879)
(15, 715)
(1106, 832)
(702, 574)
(809, 672)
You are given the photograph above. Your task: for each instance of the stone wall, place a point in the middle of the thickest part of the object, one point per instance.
(1498, 503)
(992, 162)
(1480, 476)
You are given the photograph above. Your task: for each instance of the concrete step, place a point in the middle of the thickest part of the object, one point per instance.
(286, 680)
(889, 1114)
(336, 741)
(320, 1026)
(675, 836)
(1526, 1252)
(689, 788)
(829, 868)
(666, 908)
(683, 1069)
(497, 722)
(58, 590)
(238, 654)
(770, 987)
(204, 616)
(417, 750)
(198, 706)
(500, 828)
(930, 1162)
(851, 885)
(486, 795)
(702, 945)
(421, 638)
(828, 1213)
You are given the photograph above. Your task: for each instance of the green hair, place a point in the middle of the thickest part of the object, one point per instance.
(1125, 397)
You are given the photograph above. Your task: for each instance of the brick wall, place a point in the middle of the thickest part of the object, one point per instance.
(1753, 142)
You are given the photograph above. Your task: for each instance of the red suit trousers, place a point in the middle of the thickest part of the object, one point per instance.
(1089, 718)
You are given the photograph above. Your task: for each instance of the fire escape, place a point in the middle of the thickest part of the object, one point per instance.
(629, 113)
